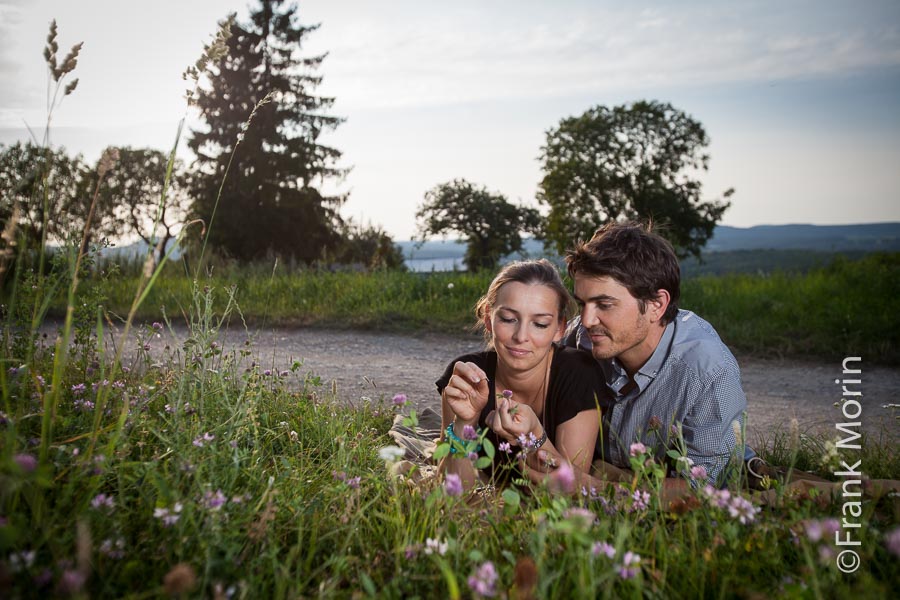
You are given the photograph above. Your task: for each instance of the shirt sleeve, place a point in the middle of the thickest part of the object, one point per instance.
(708, 429)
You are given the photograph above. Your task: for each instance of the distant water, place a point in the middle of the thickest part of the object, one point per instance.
(427, 265)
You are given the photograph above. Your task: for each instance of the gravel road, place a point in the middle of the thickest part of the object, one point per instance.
(362, 363)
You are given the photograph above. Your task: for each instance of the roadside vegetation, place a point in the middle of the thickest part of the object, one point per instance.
(130, 471)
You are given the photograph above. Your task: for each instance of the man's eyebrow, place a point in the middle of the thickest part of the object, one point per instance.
(598, 298)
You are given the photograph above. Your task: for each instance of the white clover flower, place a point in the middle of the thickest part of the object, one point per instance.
(391, 454)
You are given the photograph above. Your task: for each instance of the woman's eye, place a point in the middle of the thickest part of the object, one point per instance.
(507, 320)
(542, 325)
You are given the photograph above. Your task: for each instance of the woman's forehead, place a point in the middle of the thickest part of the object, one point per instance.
(528, 298)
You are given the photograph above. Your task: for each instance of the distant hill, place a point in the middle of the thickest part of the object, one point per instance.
(761, 248)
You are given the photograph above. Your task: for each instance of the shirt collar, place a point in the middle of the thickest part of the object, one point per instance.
(615, 374)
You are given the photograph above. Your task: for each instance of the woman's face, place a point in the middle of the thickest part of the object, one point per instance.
(524, 322)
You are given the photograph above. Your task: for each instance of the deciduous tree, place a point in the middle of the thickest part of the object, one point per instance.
(628, 162)
(492, 226)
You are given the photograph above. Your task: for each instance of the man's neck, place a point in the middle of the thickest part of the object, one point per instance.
(636, 357)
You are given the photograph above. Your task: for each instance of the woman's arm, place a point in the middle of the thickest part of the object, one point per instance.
(462, 400)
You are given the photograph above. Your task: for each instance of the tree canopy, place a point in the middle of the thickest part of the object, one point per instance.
(628, 162)
(268, 202)
(491, 224)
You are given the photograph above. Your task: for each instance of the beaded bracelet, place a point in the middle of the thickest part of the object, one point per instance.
(452, 437)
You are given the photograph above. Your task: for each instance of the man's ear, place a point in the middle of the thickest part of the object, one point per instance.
(657, 307)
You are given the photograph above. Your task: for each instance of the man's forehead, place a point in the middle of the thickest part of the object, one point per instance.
(589, 286)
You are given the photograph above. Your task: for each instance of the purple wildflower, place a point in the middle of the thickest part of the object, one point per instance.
(630, 565)
(102, 501)
(483, 582)
(654, 423)
(78, 389)
(563, 478)
(410, 552)
(640, 499)
(435, 547)
(892, 541)
(267, 372)
(26, 462)
(71, 582)
(742, 509)
(214, 500)
(698, 473)
(637, 448)
(582, 518)
(473, 456)
(603, 548)
(353, 482)
(114, 549)
(505, 447)
(453, 484)
(507, 394)
(168, 516)
(469, 433)
(399, 400)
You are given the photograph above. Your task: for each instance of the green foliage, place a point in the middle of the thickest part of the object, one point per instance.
(629, 162)
(132, 196)
(267, 203)
(368, 246)
(491, 225)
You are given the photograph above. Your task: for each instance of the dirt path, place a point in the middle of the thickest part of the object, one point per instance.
(373, 364)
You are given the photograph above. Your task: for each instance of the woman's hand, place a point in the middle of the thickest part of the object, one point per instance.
(467, 392)
(512, 419)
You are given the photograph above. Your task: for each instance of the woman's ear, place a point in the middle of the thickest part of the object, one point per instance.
(487, 320)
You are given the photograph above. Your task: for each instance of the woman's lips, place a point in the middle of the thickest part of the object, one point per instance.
(517, 352)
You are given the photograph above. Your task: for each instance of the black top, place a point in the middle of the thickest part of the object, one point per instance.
(575, 385)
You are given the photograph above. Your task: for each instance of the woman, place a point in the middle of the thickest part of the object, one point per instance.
(555, 391)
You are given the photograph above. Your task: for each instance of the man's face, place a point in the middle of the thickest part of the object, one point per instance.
(612, 317)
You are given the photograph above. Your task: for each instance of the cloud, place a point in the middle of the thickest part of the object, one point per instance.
(600, 50)
(10, 67)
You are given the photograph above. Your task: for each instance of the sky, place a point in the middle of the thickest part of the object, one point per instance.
(800, 99)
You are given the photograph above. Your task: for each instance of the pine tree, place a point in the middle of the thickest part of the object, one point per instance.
(269, 203)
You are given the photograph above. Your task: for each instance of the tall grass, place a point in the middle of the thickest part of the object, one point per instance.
(202, 474)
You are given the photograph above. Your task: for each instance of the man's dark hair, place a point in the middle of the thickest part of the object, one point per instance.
(636, 257)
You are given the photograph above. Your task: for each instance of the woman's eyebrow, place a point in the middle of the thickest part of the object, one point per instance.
(512, 310)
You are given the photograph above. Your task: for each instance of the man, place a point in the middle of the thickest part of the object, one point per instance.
(669, 374)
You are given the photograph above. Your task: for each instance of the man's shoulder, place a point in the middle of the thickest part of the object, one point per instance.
(696, 346)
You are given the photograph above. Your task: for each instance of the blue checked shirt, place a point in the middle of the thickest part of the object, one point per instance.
(691, 380)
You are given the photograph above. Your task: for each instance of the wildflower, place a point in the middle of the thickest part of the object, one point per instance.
(26, 462)
(892, 541)
(157, 326)
(603, 548)
(295, 437)
(505, 447)
(284, 374)
(469, 433)
(339, 475)
(821, 529)
(267, 372)
(21, 560)
(507, 394)
(391, 454)
(654, 423)
(582, 518)
(180, 579)
(629, 569)
(450, 286)
(399, 400)
(214, 500)
(169, 409)
(637, 448)
(453, 485)
(684, 462)
(640, 500)
(592, 493)
(435, 547)
(4, 418)
(483, 582)
(354, 482)
(78, 389)
(13, 371)
(114, 549)
(204, 439)
(473, 456)
(102, 501)
(698, 473)
(742, 509)
(168, 516)
(563, 478)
